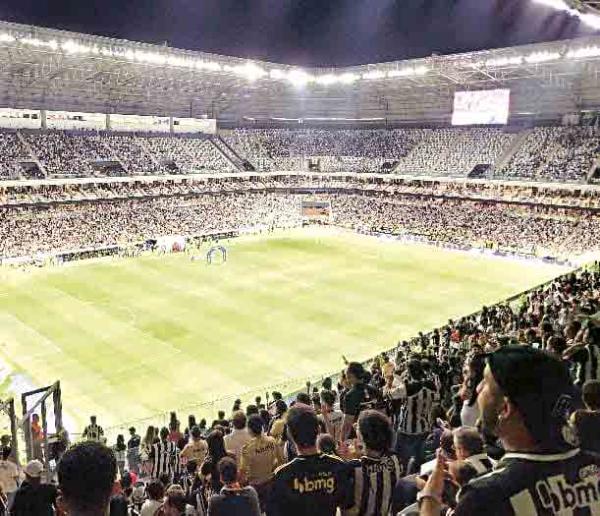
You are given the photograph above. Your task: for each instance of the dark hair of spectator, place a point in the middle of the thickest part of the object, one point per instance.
(155, 490)
(302, 425)
(376, 430)
(255, 424)
(239, 420)
(86, 474)
(227, 468)
(591, 394)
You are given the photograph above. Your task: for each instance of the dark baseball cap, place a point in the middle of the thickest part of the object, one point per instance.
(540, 386)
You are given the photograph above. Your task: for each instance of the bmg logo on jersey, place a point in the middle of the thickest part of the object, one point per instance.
(312, 485)
(557, 494)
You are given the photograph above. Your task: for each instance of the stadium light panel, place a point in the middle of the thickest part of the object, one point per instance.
(505, 61)
(542, 57)
(584, 52)
(326, 79)
(408, 72)
(348, 78)
(374, 74)
(277, 74)
(35, 42)
(250, 71)
(299, 77)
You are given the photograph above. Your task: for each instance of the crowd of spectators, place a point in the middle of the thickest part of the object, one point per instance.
(555, 154)
(494, 413)
(332, 150)
(11, 151)
(555, 231)
(124, 213)
(547, 153)
(453, 152)
(187, 155)
(43, 229)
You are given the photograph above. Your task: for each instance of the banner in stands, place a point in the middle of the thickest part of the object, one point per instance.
(69, 120)
(194, 125)
(316, 210)
(20, 119)
(132, 123)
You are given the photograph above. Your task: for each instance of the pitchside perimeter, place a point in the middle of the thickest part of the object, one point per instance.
(130, 338)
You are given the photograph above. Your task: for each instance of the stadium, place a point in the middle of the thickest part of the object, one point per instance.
(184, 232)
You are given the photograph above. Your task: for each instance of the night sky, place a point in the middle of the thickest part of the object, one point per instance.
(307, 32)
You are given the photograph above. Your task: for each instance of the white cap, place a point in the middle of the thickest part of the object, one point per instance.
(34, 468)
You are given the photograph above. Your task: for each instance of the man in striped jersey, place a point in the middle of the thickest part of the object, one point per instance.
(164, 456)
(524, 398)
(94, 432)
(586, 354)
(378, 470)
(418, 394)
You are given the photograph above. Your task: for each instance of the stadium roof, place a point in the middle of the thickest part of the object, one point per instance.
(51, 69)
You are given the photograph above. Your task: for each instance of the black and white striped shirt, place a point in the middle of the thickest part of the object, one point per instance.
(374, 483)
(416, 411)
(588, 363)
(165, 458)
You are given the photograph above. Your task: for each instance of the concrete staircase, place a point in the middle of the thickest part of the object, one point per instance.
(591, 175)
(32, 154)
(508, 154)
(238, 162)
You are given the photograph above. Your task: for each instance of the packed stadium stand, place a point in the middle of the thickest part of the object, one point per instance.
(514, 387)
(546, 154)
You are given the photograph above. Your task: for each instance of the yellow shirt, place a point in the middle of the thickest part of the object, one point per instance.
(259, 458)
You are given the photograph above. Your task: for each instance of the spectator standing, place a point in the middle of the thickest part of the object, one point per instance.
(312, 483)
(233, 500)
(120, 451)
(414, 419)
(220, 421)
(164, 456)
(378, 470)
(133, 451)
(587, 422)
(359, 397)
(155, 492)
(239, 436)
(216, 451)
(37, 437)
(9, 476)
(259, 458)
(469, 413)
(332, 418)
(33, 497)
(196, 449)
(146, 449)
(93, 432)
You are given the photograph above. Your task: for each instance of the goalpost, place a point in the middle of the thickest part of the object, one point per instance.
(217, 250)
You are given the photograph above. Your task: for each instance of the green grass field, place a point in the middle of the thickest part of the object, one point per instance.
(135, 337)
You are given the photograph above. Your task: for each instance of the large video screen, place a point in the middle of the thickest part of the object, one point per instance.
(481, 107)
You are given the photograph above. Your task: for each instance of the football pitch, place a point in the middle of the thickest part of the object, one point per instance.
(132, 338)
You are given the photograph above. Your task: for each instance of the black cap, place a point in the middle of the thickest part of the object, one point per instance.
(540, 386)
